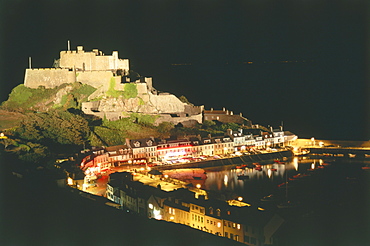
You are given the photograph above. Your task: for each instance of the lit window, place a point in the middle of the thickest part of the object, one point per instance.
(150, 206)
(238, 226)
(218, 224)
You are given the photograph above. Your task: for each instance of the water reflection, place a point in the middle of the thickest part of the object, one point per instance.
(262, 180)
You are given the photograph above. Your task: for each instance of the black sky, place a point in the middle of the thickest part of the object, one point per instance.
(324, 94)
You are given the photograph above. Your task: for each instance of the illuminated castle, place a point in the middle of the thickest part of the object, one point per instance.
(108, 72)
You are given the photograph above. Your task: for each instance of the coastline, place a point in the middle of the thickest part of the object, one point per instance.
(244, 159)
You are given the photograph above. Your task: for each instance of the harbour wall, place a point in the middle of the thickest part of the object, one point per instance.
(244, 159)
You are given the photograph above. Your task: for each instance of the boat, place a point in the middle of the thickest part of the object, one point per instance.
(269, 198)
(302, 152)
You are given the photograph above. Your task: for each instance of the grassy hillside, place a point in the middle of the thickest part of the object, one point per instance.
(9, 119)
(24, 99)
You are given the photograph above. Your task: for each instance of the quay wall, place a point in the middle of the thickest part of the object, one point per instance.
(244, 159)
(304, 143)
(359, 152)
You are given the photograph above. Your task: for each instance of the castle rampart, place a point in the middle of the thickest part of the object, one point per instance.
(48, 77)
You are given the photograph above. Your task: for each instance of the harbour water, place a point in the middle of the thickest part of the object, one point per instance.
(324, 201)
(331, 197)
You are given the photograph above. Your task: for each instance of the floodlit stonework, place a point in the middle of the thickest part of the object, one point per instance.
(109, 73)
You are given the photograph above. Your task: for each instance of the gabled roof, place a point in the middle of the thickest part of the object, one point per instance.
(140, 143)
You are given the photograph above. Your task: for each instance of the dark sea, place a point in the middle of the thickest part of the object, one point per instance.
(324, 99)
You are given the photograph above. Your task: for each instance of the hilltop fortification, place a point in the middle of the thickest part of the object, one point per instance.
(92, 68)
(116, 95)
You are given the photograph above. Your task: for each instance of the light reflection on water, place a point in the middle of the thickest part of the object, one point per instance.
(224, 180)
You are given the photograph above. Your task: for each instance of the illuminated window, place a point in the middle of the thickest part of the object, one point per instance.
(238, 226)
(150, 206)
(218, 224)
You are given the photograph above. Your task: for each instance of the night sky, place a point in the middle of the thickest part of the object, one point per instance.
(300, 62)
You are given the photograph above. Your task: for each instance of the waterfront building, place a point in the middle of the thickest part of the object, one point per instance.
(119, 154)
(143, 150)
(171, 150)
(207, 147)
(218, 145)
(278, 135)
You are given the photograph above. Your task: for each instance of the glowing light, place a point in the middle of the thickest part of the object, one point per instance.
(198, 186)
(218, 224)
(226, 178)
(150, 206)
(166, 176)
(70, 181)
(295, 163)
(238, 226)
(157, 214)
(172, 218)
(261, 209)
(313, 166)
(240, 198)
(269, 173)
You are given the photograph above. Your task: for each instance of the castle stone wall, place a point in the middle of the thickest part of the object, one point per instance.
(96, 79)
(48, 77)
(167, 103)
(186, 121)
(94, 60)
(142, 88)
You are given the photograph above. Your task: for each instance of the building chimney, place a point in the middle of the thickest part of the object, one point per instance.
(30, 62)
(68, 46)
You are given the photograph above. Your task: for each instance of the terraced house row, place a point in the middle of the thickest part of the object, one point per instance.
(245, 224)
(149, 150)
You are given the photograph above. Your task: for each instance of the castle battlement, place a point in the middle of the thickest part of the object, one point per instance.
(48, 68)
